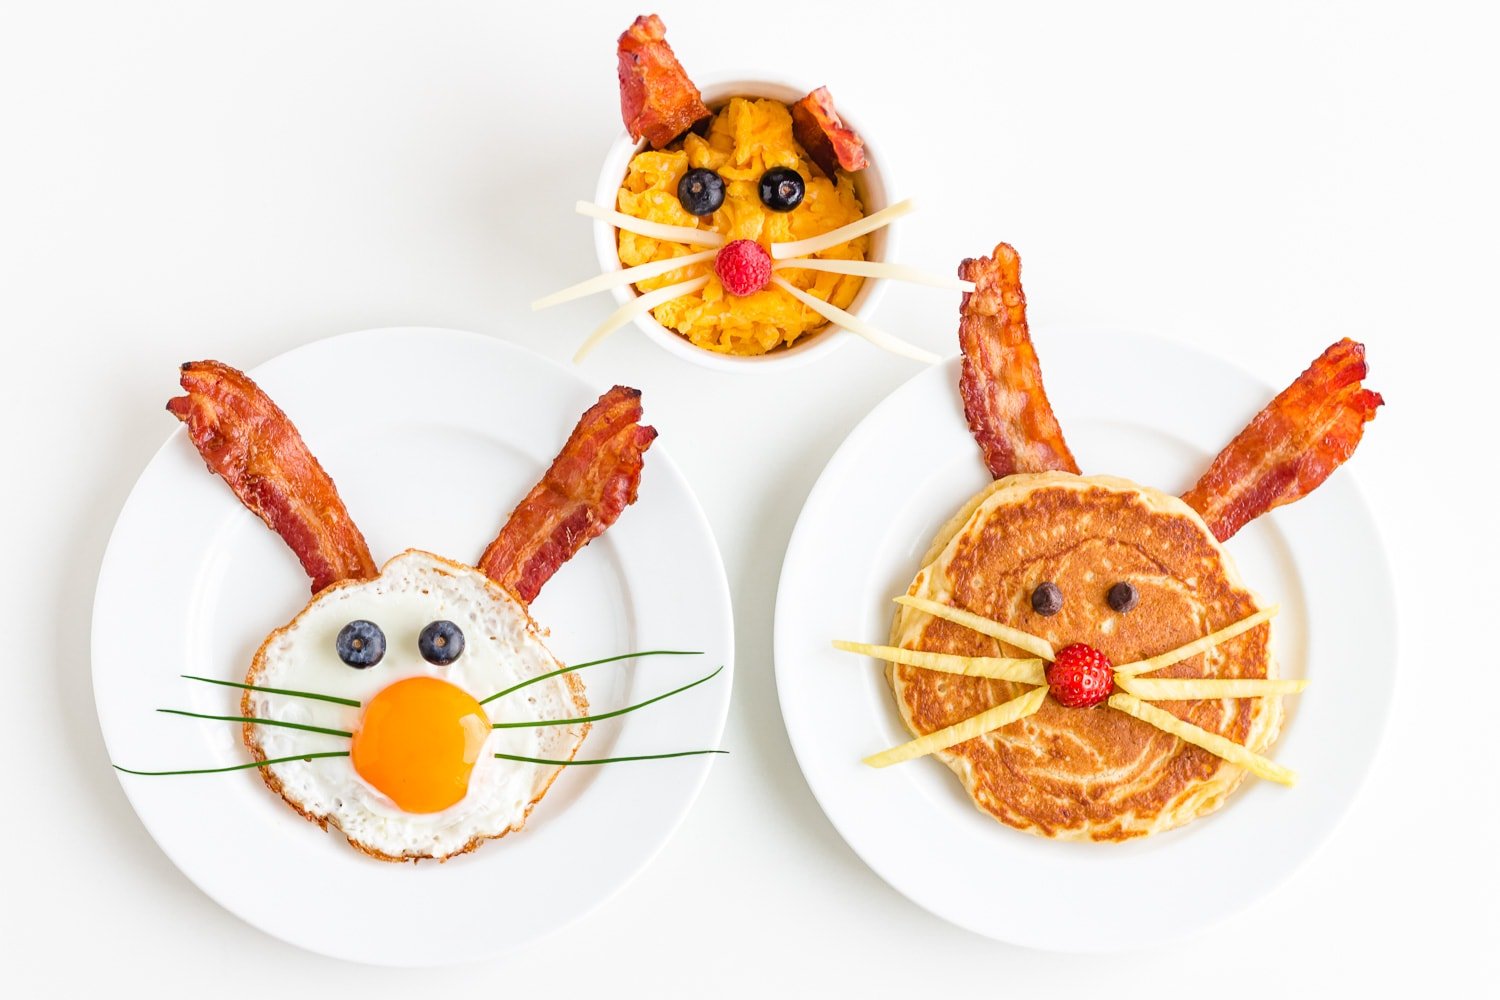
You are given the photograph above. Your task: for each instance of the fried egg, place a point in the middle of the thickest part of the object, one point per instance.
(421, 779)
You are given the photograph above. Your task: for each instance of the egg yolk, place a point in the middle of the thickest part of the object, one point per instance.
(417, 743)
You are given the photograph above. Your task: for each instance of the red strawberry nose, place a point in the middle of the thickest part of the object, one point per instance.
(744, 267)
(1080, 677)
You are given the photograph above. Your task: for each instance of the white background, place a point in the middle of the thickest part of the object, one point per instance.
(230, 180)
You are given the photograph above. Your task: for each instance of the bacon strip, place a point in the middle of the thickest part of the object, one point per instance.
(591, 482)
(1001, 381)
(657, 100)
(820, 130)
(246, 439)
(1292, 445)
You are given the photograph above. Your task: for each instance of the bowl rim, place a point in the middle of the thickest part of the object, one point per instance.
(874, 180)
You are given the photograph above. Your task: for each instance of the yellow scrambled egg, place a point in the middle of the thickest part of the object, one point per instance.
(746, 138)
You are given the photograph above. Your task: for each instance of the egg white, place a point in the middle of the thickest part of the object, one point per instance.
(501, 649)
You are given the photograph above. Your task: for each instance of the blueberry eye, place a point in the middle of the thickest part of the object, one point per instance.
(701, 191)
(781, 189)
(360, 644)
(1123, 596)
(1047, 599)
(440, 643)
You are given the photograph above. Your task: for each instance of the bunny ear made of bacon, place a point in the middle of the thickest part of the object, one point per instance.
(248, 441)
(589, 484)
(657, 100)
(1001, 379)
(820, 130)
(1307, 431)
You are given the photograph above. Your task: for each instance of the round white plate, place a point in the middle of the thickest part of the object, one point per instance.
(1130, 406)
(432, 437)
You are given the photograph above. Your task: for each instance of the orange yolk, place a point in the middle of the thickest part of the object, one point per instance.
(418, 741)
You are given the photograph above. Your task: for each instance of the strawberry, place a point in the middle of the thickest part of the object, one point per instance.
(1081, 676)
(744, 267)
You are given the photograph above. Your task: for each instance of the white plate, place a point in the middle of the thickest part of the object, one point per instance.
(191, 583)
(1130, 406)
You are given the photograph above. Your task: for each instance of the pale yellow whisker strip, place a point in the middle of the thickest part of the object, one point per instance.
(843, 234)
(649, 229)
(1197, 645)
(627, 276)
(854, 324)
(1035, 645)
(1002, 668)
(873, 269)
(635, 307)
(987, 721)
(1199, 737)
(1194, 688)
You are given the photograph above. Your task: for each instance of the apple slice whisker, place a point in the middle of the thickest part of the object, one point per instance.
(1199, 737)
(1035, 645)
(1195, 688)
(1023, 671)
(1197, 646)
(990, 719)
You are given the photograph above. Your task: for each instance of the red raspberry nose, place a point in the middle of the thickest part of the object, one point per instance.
(744, 267)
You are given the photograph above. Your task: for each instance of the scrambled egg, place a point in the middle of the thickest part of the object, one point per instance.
(746, 138)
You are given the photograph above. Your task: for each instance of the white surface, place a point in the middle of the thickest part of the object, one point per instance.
(875, 189)
(860, 540)
(191, 180)
(436, 464)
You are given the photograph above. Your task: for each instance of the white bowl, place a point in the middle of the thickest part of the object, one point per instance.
(872, 183)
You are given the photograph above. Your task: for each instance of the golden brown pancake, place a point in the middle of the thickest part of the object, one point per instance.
(1085, 773)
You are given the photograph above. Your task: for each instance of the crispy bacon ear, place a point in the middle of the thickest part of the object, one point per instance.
(657, 100)
(246, 439)
(820, 130)
(1001, 380)
(1292, 445)
(592, 480)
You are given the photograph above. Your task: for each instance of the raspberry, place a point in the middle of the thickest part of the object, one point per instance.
(744, 267)
(1081, 676)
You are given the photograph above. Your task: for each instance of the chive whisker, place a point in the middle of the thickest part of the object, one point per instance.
(258, 722)
(605, 760)
(270, 690)
(604, 715)
(591, 663)
(236, 767)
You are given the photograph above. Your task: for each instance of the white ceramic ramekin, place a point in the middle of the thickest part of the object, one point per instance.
(873, 184)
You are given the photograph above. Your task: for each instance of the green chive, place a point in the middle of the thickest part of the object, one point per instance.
(235, 767)
(258, 722)
(605, 715)
(591, 663)
(293, 694)
(605, 760)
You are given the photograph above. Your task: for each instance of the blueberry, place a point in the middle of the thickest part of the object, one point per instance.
(360, 644)
(1123, 596)
(1047, 599)
(441, 643)
(701, 191)
(781, 189)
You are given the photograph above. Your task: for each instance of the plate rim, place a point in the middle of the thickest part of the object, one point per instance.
(701, 766)
(1061, 334)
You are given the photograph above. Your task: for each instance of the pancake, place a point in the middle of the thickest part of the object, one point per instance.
(1092, 773)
